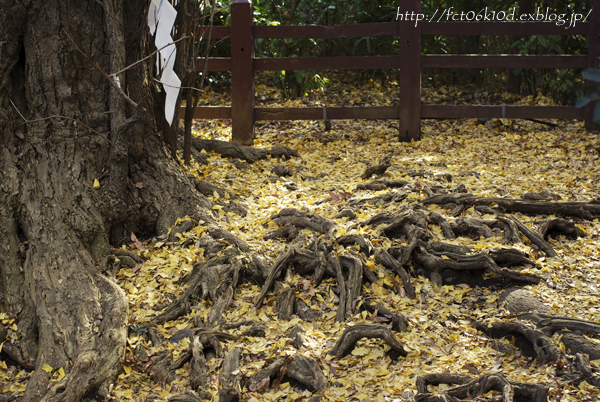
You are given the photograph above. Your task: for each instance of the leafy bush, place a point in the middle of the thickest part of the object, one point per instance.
(592, 74)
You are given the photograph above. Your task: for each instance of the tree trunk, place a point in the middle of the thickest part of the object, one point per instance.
(63, 126)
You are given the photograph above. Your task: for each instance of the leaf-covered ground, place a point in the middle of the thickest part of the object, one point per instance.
(496, 158)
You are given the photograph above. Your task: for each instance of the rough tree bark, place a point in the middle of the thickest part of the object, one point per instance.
(62, 125)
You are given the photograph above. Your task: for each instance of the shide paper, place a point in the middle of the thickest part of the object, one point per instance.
(161, 18)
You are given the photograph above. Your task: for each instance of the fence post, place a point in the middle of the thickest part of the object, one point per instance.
(593, 40)
(242, 74)
(410, 70)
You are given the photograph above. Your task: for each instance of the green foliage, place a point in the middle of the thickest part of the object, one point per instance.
(299, 82)
(137, 330)
(593, 75)
(564, 85)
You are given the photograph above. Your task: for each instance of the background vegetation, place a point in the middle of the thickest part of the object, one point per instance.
(565, 86)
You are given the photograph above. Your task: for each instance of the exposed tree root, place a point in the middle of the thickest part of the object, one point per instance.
(287, 232)
(217, 278)
(225, 200)
(204, 345)
(529, 309)
(399, 321)
(378, 185)
(364, 246)
(342, 293)
(409, 225)
(586, 210)
(534, 340)
(204, 281)
(383, 257)
(474, 228)
(560, 227)
(378, 169)
(353, 282)
(353, 334)
(535, 238)
(444, 263)
(276, 269)
(185, 398)
(218, 309)
(303, 220)
(544, 195)
(450, 268)
(282, 171)
(393, 196)
(246, 153)
(439, 220)
(218, 233)
(302, 369)
(296, 336)
(470, 388)
(543, 348)
(466, 226)
(519, 301)
(230, 383)
(257, 329)
(285, 305)
(346, 213)
(533, 331)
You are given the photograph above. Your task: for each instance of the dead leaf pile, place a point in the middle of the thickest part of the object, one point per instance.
(494, 158)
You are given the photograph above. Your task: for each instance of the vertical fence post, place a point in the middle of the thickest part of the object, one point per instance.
(242, 74)
(593, 40)
(410, 70)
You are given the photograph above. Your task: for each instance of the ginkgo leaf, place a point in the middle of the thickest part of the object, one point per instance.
(137, 242)
(492, 158)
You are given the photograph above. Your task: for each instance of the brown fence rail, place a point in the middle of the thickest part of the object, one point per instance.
(409, 110)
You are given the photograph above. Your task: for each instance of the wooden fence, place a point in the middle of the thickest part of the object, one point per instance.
(409, 110)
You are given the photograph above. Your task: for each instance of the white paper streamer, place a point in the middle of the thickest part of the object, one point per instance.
(161, 17)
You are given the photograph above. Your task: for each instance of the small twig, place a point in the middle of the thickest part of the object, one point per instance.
(58, 117)
(68, 118)
(146, 58)
(110, 79)
(543, 122)
(23, 117)
(173, 86)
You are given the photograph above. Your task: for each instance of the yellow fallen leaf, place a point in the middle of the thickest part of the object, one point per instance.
(96, 184)
(360, 352)
(61, 373)
(47, 368)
